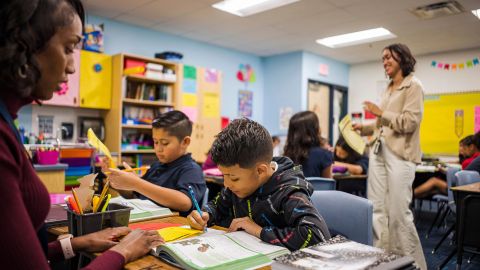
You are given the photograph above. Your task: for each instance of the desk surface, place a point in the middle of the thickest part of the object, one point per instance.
(350, 177)
(473, 188)
(148, 261)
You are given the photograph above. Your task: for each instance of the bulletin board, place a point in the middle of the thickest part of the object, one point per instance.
(447, 118)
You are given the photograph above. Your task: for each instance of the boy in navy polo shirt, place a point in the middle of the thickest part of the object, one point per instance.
(167, 180)
(264, 196)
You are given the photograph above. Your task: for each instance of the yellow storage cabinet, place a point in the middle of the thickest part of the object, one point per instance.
(95, 80)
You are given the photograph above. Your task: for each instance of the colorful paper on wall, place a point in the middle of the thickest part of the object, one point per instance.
(211, 75)
(211, 105)
(245, 100)
(476, 126)
(189, 100)
(189, 72)
(189, 86)
(191, 112)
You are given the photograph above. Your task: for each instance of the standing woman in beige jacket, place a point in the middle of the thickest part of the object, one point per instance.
(394, 155)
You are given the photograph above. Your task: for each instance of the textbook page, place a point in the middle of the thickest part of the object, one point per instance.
(142, 209)
(353, 139)
(255, 244)
(216, 251)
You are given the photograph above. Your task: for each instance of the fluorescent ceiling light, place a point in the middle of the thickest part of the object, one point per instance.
(476, 12)
(245, 8)
(355, 38)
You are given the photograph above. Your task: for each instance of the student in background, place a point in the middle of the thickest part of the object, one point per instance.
(276, 146)
(394, 155)
(305, 145)
(37, 41)
(345, 156)
(475, 164)
(438, 184)
(267, 198)
(470, 149)
(167, 180)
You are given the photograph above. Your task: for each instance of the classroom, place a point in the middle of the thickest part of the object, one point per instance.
(240, 134)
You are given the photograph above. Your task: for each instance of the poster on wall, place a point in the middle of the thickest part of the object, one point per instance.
(285, 115)
(245, 101)
(476, 127)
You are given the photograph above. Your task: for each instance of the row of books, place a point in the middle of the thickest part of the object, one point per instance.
(149, 91)
(134, 115)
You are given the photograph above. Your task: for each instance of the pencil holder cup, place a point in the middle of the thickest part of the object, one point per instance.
(116, 215)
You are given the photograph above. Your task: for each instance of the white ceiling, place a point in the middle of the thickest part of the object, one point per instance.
(296, 26)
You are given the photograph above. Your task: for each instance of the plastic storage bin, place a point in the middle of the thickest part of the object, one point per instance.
(116, 215)
(47, 157)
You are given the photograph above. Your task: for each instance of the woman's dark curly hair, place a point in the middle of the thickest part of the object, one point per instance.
(26, 26)
(303, 134)
(407, 61)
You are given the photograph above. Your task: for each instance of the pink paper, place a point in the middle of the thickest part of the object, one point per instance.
(476, 126)
(191, 112)
(57, 198)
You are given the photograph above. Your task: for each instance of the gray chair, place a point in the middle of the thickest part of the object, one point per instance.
(346, 214)
(321, 183)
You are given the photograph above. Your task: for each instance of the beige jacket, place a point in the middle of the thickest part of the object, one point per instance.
(402, 113)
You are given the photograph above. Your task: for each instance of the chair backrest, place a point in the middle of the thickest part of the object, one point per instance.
(205, 197)
(347, 214)
(451, 181)
(321, 183)
(467, 177)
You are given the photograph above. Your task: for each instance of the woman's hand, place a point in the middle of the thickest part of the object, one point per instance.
(373, 108)
(99, 241)
(137, 243)
(123, 180)
(246, 224)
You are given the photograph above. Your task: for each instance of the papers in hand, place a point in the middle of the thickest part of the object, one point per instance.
(353, 139)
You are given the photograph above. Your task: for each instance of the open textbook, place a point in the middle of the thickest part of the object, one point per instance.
(235, 250)
(341, 254)
(353, 139)
(142, 209)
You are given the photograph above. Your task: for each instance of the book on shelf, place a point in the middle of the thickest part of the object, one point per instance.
(340, 253)
(148, 91)
(142, 209)
(235, 250)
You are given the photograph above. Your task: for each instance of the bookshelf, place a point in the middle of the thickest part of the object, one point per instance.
(142, 88)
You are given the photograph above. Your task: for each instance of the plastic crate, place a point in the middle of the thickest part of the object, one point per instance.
(116, 215)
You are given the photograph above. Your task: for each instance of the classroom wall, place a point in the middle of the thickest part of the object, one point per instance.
(367, 81)
(122, 37)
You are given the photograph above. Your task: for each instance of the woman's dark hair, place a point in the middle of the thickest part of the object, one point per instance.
(303, 134)
(407, 61)
(243, 142)
(353, 156)
(176, 123)
(26, 26)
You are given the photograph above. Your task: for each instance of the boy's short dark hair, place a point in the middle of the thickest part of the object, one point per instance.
(468, 140)
(176, 123)
(243, 142)
(476, 139)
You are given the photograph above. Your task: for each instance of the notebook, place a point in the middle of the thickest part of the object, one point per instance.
(57, 216)
(142, 209)
(232, 251)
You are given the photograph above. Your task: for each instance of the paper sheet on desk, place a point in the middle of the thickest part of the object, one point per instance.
(353, 139)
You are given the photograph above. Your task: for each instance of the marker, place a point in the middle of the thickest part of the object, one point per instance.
(107, 200)
(192, 194)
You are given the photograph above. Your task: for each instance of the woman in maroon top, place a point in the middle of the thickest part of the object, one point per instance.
(37, 40)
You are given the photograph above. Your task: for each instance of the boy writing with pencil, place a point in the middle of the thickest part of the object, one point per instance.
(267, 198)
(168, 179)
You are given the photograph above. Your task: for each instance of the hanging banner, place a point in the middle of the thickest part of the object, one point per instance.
(456, 66)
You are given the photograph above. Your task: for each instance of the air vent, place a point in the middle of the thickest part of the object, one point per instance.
(438, 10)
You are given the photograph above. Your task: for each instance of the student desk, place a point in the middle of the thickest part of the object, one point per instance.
(52, 176)
(147, 262)
(352, 183)
(460, 192)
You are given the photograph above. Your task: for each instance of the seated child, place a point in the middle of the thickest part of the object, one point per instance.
(348, 158)
(267, 198)
(167, 180)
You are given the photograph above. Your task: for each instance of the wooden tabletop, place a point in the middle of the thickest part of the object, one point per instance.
(472, 188)
(350, 177)
(148, 262)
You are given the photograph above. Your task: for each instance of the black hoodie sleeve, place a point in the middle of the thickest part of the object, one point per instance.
(305, 226)
(220, 209)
